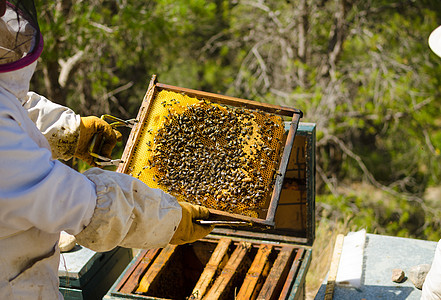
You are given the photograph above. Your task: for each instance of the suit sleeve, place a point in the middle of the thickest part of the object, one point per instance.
(103, 209)
(142, 217)
(60, 125)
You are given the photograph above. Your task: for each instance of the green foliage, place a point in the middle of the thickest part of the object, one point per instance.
(380, 213)
(359, 69)
(125, 44)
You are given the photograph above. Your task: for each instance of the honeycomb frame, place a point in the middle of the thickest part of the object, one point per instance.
(153, 111)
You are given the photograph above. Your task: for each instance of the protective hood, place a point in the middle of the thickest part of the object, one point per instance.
(20, 40)
(435, 41)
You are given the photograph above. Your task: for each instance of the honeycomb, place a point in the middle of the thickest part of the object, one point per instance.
(208, 154)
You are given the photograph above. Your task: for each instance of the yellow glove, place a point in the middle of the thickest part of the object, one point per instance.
(188, 231)
(90, 126)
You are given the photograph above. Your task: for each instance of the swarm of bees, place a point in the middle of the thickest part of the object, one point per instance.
(220, 157)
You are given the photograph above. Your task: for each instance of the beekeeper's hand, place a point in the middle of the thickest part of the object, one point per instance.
(90, 126)
(188, 231)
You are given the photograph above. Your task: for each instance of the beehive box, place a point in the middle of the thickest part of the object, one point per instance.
(225, 153)
(85, 274)
(225, 268)
(238, 263)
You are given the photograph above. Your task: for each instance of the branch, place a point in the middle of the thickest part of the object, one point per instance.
(119, 89)
(265, 8)
(67, 66)
(337, 37)
(303, 41)
(429, 142)
(208, 47)
(369, 175)
(262, 66)
(102, 27)
(111, 95)
(326, 180)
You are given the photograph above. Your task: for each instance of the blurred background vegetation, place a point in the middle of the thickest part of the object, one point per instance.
(360, 69)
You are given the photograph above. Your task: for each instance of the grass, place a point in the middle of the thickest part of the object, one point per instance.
(322, 250)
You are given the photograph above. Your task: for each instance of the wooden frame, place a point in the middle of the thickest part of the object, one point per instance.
(296, 114)
(245, 269)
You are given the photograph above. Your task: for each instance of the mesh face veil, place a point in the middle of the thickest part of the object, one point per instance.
(2, 7)
(20, 39)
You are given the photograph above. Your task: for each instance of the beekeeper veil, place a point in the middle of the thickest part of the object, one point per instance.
(20, 39)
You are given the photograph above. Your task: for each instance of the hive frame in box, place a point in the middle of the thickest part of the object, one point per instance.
(296, 114)
(249, 270)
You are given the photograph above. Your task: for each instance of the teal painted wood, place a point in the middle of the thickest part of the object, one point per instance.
(301, 276)
(79, 266)
(307, 127)
(308, 130)
(97, 275)
(71, 294)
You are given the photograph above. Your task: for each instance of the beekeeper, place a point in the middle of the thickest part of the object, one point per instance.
(40, 196)
(432, 283)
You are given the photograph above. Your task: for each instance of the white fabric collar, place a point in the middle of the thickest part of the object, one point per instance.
(17, 82)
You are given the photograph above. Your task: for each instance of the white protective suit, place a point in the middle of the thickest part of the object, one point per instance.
(40, 196)
(432, 283)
